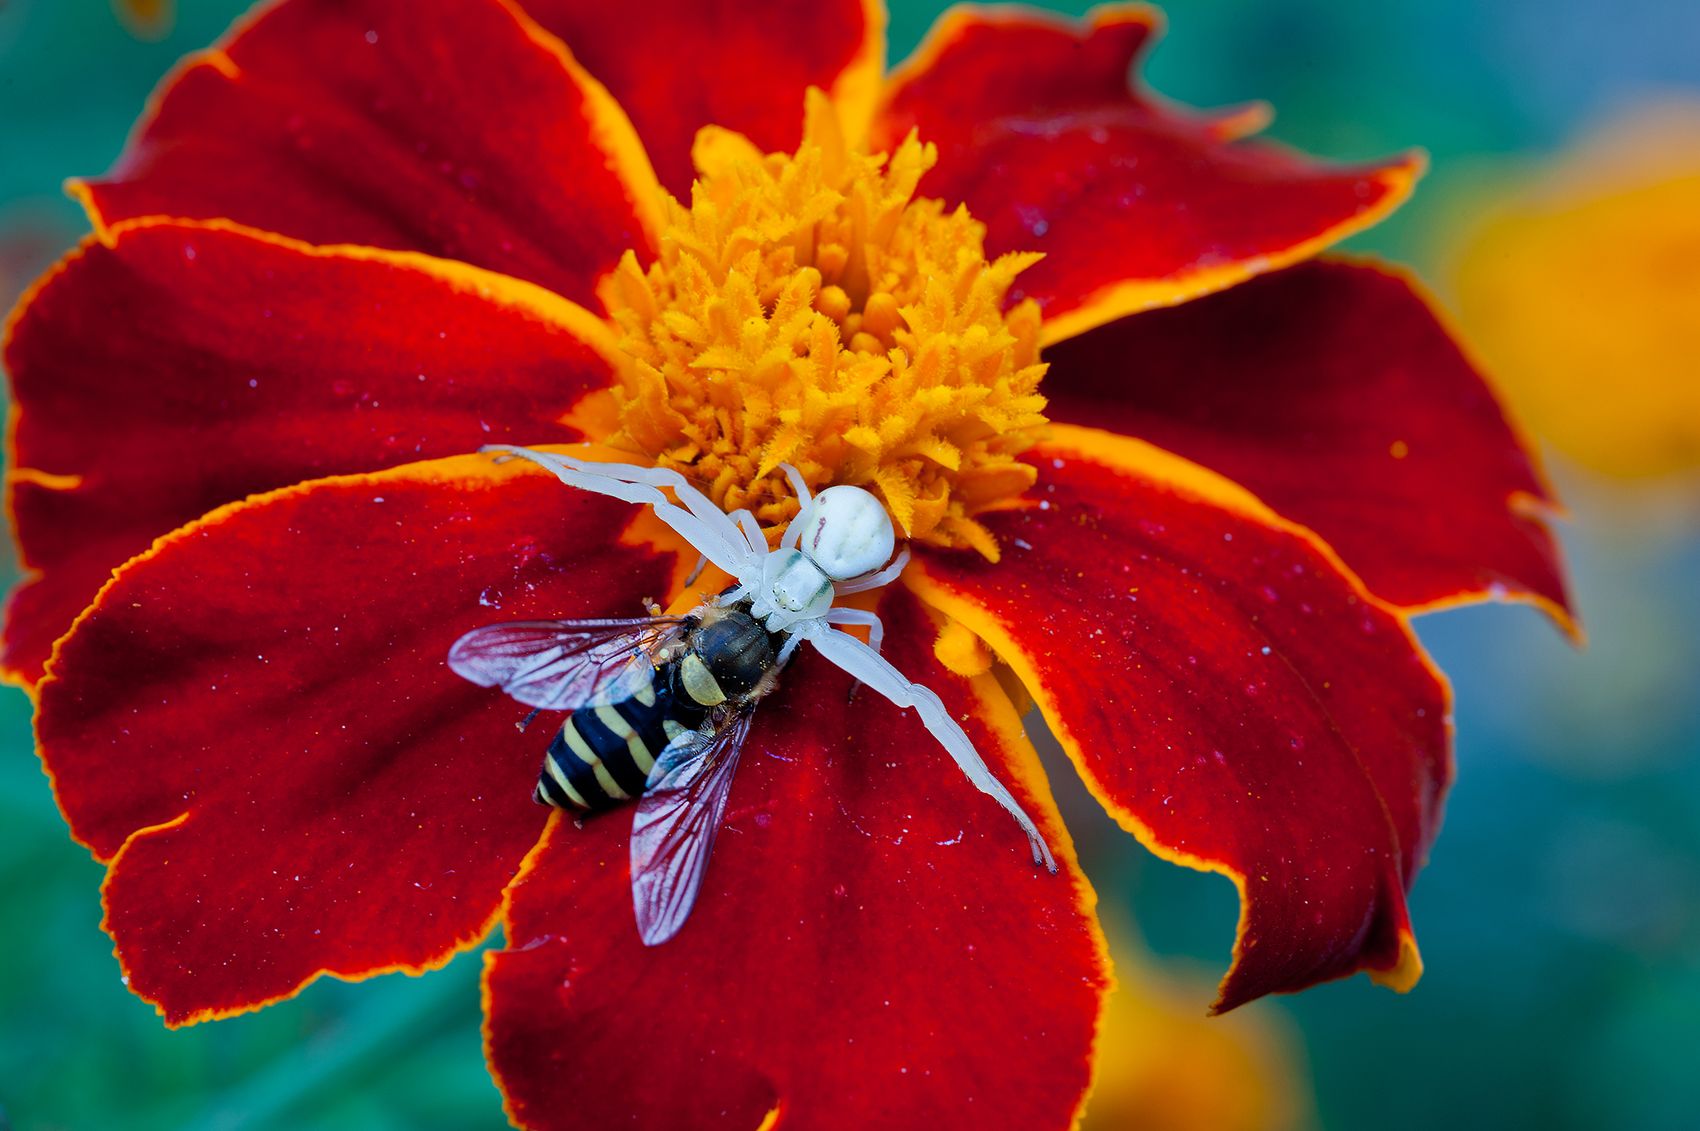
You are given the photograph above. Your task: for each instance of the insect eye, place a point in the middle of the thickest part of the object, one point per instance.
(846, 532)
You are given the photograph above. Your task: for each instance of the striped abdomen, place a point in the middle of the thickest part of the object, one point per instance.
(602, 756)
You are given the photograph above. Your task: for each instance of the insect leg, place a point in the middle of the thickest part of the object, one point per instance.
(872, 669)
(874, 580)
(696, 572)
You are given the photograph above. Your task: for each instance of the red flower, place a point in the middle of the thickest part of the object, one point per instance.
(363, 238)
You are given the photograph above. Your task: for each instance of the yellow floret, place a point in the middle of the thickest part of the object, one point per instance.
(809, 309)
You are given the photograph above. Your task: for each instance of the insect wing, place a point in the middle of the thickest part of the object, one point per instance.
(677, 820)
(560, 665)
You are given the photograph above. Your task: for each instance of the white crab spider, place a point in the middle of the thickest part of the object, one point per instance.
(836, 546)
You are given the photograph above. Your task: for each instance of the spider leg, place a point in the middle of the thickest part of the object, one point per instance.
(752, 531)
(874, 580)
(794, 531)
(701, 523)
(876, 630)
(872, 669)
(687, 493)
(792, 640)
(795, 478)
(569, 471)
(732, 556)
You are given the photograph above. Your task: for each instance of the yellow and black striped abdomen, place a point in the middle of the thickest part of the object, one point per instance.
(602, 755)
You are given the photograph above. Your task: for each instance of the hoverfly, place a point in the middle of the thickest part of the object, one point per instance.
(661, 705)
(660, 709)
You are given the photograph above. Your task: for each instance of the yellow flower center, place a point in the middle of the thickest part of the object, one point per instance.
(809, 309)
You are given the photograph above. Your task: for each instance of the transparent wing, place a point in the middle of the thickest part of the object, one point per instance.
(559, 665)
(677, 819)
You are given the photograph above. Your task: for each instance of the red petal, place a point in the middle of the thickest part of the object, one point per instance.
(872, 947)
(679, 65)
(1134, 203)
(1228, 693)
(260, 713)
(183, 367)
(1333, 393)
(456, 128)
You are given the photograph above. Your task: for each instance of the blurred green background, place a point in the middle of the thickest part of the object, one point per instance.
(1560, 914)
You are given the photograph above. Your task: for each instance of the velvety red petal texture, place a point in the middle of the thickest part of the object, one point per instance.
(1135, 204)
(1332, 392)
(1230, 695)
(184, 366)
(679, 65)
(873, 945)
(456, 128)
(258, 719)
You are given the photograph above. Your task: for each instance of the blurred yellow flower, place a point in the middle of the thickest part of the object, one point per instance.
(149, 19)
(1164, 1065)
(1581, 289)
